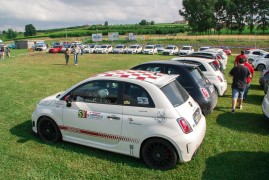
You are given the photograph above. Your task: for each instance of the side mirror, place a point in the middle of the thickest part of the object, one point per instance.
(68, 100)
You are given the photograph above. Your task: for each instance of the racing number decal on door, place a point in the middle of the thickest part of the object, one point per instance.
(142, 100)
(82, 114)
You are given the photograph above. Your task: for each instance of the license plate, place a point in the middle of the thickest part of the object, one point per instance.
(211, 88)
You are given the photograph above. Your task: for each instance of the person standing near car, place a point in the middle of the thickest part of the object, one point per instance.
(249, 79)
(240, 73)
(2, 52)
(76, 50)
(8, 51)
(67, 55)
(241, 55)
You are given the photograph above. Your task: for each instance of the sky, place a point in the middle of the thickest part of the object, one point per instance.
(50, 14)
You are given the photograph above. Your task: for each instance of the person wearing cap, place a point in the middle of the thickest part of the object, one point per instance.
(241, 55)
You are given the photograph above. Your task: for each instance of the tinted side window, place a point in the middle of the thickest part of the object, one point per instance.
(150, 67)
(256, 53)
(176, 94)
(183, 78)
(267, 56)
(135, 95)
(101, 92)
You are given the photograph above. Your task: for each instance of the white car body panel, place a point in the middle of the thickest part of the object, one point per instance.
(150, 49)
(134, 125)
(261, 60)
(170, 50)
(185, 50)
(265, 105)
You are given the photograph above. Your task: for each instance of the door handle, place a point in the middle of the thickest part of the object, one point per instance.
(113, 117)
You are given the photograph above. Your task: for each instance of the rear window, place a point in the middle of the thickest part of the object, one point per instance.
(214, 66)
(176, 94)
(197, 74)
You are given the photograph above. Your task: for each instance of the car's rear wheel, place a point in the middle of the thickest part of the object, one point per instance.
(48, 130)
(159, 154)
(261, 67)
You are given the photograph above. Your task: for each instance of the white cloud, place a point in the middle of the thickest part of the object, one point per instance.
(48, 14)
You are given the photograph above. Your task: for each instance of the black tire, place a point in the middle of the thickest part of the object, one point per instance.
(159, 154)
(48, 130)
(261, 67)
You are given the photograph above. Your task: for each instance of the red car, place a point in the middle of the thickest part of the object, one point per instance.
(226, 50)
(55, 49)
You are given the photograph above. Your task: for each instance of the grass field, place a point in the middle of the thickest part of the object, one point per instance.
(236, 146)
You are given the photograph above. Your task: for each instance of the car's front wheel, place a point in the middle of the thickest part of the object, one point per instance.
(159, 154)
(261, 67)
(48, 130)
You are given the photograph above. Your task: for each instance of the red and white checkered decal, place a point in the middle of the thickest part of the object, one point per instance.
(133, 74)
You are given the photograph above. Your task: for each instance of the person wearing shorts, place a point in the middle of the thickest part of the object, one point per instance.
(240, 73)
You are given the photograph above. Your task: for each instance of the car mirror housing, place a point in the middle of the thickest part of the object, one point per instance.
(68, 100)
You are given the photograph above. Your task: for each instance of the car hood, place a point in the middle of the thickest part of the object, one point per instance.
(48, 100)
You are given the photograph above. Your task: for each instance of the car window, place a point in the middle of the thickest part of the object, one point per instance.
(200, 65)
(214, 66)
(266, 56)
(151, 67)
(197, 74)
(101, 92)
(183, 78)
(176, 94)
(135, 95)
(256, 53)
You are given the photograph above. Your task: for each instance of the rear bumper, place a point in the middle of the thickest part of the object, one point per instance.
(207, 106)
(188, 145)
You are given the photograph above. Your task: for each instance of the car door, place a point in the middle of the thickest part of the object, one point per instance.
(138, 113)
(95, 114)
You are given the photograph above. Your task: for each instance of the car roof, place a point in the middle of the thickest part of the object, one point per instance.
(199, 59)
(170, 62)
(158, 79)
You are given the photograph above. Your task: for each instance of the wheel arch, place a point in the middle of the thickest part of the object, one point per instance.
(158, 137)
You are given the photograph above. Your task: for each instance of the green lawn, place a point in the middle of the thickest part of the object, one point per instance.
(236, 146)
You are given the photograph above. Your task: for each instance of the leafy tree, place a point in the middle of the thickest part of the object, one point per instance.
(4, 32)
(199, 14)
(30, 30)
(220, 8)
(11, 34)
(263, 15)
(252, 9)
(143, 22)
(152, 22)
(106, 23)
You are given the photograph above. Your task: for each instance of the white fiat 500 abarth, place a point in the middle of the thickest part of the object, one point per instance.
(137, 113)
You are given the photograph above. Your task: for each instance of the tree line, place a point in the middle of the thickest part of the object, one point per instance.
(235, 15)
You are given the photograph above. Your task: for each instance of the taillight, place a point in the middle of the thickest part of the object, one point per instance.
(220, 79)
(205, 92)
(216, 63)
(185, 126)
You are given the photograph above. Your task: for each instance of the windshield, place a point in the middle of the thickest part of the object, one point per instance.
(169, 47)
(104, 46)
(186, 48)
(133, 47)
(119, 46)
(176, 94)
(149, 47)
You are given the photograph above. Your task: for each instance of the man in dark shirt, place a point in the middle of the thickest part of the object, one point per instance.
(242, 55)
(240, 73)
